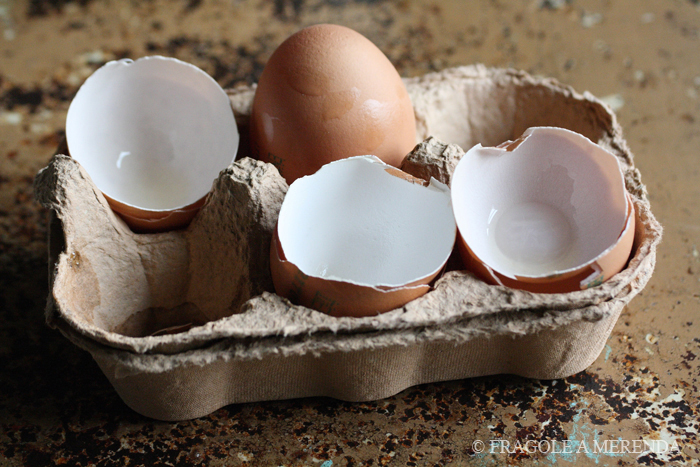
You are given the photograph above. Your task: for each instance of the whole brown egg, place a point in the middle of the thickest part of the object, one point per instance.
(328, 93)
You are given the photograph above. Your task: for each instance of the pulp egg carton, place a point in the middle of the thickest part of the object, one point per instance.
(185, 322)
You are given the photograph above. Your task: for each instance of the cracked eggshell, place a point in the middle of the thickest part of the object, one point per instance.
(153, 134)
(546, 213)
(328, 93)
(360, 237)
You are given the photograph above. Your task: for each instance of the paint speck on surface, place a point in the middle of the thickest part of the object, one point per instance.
(39, 128)
(6, 20)
(588, 20)
(648, 18)
(614, 101)
(11, 118)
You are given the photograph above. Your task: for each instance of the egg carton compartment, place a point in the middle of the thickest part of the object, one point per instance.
(185, 322)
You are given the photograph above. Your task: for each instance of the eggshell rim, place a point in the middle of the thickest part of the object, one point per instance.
(433, 183)
(279, 253)
(559, 274)
(130, 62)
(556, 284)
(365, 300)
(146, 221)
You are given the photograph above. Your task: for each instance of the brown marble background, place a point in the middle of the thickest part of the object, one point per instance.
(642, 56)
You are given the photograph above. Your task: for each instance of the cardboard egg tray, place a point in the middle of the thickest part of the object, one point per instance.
(185, 322)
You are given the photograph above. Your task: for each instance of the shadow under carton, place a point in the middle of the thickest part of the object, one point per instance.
(185, 322)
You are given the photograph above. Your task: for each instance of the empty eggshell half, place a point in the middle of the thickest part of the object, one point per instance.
(153, 134)
(546, 213)
(360, 237)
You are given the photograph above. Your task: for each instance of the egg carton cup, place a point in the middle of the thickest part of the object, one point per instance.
(185, 322)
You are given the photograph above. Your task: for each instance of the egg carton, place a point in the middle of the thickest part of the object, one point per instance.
(185, 322)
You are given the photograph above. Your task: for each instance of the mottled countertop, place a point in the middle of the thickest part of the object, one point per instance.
(642, 57)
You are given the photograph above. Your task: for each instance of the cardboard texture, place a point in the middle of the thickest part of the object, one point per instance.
(112, 289)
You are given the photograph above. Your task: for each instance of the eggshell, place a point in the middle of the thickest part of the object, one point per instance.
(360, 237)
(144, 220)
(153, 134)
(329, 93)
(547, 213)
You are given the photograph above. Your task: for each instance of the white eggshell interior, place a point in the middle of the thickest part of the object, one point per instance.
(354, 221)
(552, 205)
(152, 133)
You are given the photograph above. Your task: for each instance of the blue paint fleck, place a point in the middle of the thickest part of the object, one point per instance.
(584, 440)
(327, 464)
(608, 351)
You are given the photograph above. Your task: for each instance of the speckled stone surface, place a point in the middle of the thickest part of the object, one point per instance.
(640, 396)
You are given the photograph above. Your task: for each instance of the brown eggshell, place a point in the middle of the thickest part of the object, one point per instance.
(337, 298)
(360, 237)
(153, 134)
(558, 168)
(590, 275)
(328, 93)
(143, 220)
